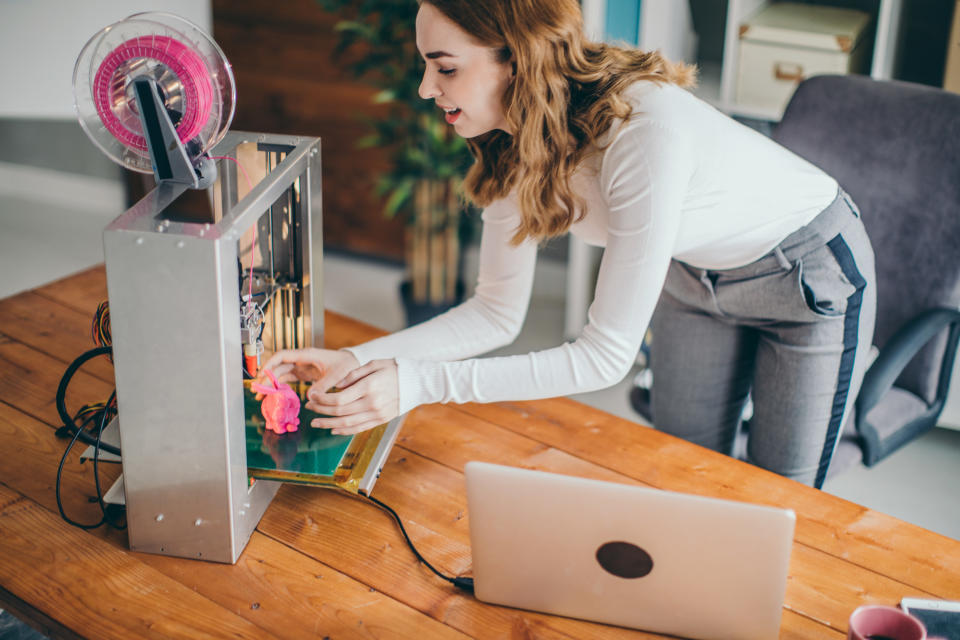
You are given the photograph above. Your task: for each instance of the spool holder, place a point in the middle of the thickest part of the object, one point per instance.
(168, 155)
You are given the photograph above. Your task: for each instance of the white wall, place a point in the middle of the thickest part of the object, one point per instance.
(41, 39)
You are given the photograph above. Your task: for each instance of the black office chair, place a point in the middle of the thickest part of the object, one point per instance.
(895, 148)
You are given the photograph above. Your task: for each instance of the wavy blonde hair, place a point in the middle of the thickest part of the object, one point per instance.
(567, 91)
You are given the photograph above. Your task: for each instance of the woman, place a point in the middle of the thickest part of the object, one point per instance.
(752, 264)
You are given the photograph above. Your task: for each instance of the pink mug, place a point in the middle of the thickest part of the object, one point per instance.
(880, 622)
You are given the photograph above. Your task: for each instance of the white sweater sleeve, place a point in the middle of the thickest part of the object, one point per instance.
(490, 319)
(643, 176)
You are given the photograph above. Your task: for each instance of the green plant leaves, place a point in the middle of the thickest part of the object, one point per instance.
(381, 35)
(401, 194)
(358, 28)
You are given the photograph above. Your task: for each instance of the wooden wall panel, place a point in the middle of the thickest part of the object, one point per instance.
(288, 82)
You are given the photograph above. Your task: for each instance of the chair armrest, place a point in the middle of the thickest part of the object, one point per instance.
(900, 350)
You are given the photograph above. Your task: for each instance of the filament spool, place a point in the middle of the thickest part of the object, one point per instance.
(192, 74)
(187, 85)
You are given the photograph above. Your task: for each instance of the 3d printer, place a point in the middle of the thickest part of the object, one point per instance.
(201, 273)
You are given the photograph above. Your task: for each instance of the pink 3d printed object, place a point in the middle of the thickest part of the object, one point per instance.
(280, 406)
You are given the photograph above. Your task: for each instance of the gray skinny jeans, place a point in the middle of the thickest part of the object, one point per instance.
(793, 329)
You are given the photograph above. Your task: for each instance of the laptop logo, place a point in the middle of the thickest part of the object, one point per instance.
(624, 560)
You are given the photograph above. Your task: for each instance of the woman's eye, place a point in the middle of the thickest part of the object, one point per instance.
(446, 72)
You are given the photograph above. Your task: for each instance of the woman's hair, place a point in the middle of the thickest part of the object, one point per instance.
(566, 93)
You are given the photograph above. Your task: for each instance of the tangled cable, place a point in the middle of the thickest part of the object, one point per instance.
(100, 331)
(88, 423)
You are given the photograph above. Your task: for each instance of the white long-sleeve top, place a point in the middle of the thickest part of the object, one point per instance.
(679, 180)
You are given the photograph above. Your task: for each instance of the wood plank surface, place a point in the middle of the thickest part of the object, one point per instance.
(53, 329)
(354, 537)
(416, 486)
(96, 589)
(82, 291)
(506, 622)
(272, 585)
(923, 559)
(844, 555)
(36, 619)
(309, 532)
(434, 493)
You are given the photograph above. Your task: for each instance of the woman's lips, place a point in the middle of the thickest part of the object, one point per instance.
(451, 116)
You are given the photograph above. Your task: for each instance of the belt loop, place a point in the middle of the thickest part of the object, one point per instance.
(782, 259)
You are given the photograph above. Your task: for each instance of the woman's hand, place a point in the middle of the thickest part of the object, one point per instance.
(367, 397)
(323, 367)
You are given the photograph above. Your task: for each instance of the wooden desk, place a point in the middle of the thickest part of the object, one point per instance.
(323, 564)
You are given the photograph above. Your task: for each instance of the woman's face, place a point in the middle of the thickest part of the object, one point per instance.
(462, 76)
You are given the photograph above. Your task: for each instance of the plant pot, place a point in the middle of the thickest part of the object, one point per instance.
(417, 312)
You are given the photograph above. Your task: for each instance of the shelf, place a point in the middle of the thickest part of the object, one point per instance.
(666, 25)
(886, 29)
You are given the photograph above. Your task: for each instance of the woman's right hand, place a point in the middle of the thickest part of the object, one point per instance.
(323, 367)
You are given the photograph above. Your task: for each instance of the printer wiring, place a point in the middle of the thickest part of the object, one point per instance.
(88, 423)
(96, 414)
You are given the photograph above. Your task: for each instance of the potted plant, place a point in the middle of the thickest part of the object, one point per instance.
(428, 160)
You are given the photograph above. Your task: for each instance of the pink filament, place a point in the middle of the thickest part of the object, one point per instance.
(183, 61)
(280, 406)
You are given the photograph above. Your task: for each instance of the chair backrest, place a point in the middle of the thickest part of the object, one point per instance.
(895, 148)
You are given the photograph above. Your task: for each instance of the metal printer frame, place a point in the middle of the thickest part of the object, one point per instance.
(176, 322)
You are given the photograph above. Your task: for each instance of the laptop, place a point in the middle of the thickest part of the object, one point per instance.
(631, 556)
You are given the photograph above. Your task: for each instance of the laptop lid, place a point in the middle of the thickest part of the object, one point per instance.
(631, 556)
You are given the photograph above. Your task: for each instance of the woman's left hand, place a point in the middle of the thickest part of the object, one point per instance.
(367, 397)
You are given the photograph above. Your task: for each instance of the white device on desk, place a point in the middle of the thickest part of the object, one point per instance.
(940, 617)
(643, 558)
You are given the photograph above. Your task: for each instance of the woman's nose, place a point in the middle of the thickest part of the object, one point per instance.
(428, 88)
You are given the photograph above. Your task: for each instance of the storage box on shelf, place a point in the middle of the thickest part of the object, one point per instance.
(784, 43)
(665, 25)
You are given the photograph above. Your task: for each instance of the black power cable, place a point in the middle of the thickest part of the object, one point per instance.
(465, 584)
(62, 404)
(96, 460)
(101, 415)
(79, 432)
